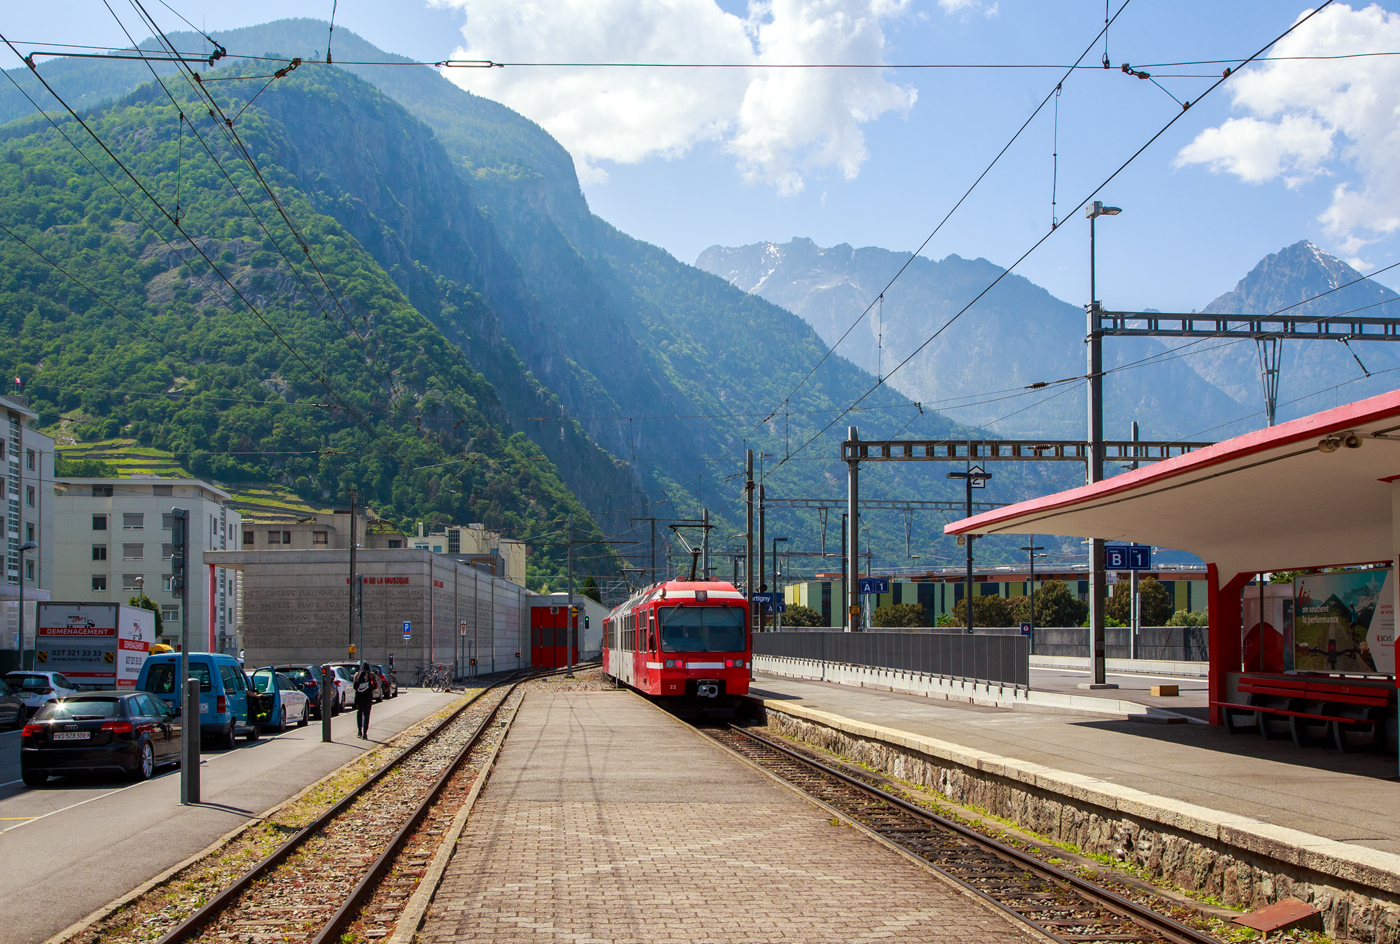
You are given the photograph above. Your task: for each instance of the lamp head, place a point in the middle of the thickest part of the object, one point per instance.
(1096, 208)
(28, 546)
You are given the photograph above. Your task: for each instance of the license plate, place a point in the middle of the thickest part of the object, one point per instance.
(72, 735)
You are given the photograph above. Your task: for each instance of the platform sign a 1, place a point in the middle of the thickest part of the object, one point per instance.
(874, 585)
(407, 629)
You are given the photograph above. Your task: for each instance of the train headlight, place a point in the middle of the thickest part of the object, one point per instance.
(670, 663)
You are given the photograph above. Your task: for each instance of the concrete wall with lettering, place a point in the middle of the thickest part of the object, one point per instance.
(297, 609)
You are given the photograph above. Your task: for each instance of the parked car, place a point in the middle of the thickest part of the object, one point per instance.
(388, 682)
(223, 693)
(308, 679)
(262, 706)
(289, 703)
(133, 732)
(344, 695)
(347, 670)
(12, 707)
(37, 689)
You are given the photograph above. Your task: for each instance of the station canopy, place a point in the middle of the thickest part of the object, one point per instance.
(1312, 492)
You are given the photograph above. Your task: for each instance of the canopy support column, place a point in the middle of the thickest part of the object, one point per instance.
(1225, 608)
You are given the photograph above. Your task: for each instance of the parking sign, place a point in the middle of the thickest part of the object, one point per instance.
(407, 629)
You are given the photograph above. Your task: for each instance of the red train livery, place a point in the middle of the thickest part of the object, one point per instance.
(681, 639)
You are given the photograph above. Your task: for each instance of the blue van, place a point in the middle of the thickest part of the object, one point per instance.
(223, 693)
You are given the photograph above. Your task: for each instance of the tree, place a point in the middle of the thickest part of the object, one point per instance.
(804, 616)
(590, 590)
(1155, 602)
(1054, 606)
(146, 603)
(986, 611)
(900, 616)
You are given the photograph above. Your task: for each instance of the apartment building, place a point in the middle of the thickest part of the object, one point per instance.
(112, 540)
(27, 515)
(475, 546)
(319, 531)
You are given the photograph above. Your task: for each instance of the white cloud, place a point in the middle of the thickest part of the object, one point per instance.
(965, 7)
(1331, 117)
(780, 124)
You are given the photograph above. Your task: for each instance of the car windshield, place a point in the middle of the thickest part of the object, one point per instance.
(32, 682)
(702, 629)
(80, 709)
(262, 680)
(160, 679)
(297, 675)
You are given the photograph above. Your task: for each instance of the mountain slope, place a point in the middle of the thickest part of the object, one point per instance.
(977, 368)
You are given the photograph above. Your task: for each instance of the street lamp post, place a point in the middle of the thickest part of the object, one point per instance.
(974, 477)
(23, 548)
(1031, 550)
(1098, 580)
(777, 614)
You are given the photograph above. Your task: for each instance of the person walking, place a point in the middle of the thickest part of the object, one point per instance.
(364, 683)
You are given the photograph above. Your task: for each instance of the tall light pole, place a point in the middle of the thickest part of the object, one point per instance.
(1031, 550)
(974, 477)
(777, 615)
(1098, 580)
(23, 548)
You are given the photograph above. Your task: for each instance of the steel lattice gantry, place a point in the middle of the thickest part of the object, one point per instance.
(994, 450)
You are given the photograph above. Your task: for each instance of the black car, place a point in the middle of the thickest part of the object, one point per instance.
(308, 679)
(388, 682)
(12, 710)
(131, 732)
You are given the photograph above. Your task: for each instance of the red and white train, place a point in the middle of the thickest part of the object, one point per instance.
(682, 640)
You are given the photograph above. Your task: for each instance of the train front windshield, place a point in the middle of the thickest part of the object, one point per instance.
(702, 629)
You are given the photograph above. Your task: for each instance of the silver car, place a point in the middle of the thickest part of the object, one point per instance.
(37, 689)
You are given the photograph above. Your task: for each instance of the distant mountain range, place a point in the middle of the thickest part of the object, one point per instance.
(1018, 334)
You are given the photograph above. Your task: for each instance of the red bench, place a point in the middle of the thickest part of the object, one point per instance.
(1306, 701)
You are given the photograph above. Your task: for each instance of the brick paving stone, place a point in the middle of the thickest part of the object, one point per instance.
(605, 821)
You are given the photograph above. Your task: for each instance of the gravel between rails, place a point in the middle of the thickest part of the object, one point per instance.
(299, 895)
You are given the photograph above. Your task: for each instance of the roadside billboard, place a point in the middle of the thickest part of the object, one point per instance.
(1344, 622)
(96, 645)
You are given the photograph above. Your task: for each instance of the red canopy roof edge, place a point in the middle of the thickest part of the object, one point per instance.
(1316, 425)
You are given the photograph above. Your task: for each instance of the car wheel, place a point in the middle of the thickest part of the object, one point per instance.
(145, 762)
(252, 734)
(226, 740)
(305, 716)
(35, 778)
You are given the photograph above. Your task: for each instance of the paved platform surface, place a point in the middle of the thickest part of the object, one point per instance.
(73, 845)
(1314, 789)
(1193, 700)
(606, 821)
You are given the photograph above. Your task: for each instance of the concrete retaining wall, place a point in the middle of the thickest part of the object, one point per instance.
(1239, 860)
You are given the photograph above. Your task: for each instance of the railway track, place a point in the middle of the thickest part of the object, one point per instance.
(359, 861)
(1059, 904)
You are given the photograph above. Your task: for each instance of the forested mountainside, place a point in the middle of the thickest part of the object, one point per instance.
(592, 342)
(250, 360)
(1021, 334)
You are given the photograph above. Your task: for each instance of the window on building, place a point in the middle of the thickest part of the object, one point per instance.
(166, 583)
(166, 490)
(102, 491)
(286, 537)
(394, 543)
(167, 551)
(99, 522)
(247, 539)
(167, 522)
(130, 582)
(170, 614)
(99, 582)
(29, 459)
(454, 541)
(29, 532)
(29, 495)
(274, 537)
(133, 522)
(99, 552)
(133, 552)
(29, 570)
(319, 537)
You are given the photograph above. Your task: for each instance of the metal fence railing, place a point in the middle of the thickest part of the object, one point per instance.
(1004, 659)
(1169, 643)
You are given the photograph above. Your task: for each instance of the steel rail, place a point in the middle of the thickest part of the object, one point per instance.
(1139, 914)
(199, 919)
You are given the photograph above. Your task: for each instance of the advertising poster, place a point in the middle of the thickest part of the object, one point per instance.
(135, 631)
(1345, 622)
(78, 640)
(1267, 641)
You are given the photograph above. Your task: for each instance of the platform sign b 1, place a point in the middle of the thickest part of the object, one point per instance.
(1127, 556)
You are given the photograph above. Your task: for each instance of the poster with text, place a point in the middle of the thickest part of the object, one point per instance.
(1345, 622)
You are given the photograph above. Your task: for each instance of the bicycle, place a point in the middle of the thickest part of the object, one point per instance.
(441, 678)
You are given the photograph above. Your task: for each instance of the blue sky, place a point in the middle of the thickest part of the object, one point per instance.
(686, 167)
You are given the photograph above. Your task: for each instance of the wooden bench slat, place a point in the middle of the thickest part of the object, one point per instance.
(1265, 709)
